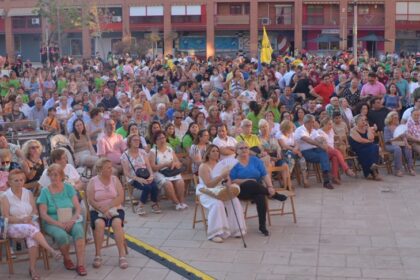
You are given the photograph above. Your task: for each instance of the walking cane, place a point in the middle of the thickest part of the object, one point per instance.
(234, 211)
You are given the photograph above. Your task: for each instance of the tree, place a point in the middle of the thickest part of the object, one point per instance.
(61, 18)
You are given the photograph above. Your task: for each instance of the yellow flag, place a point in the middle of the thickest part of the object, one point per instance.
(266, 49)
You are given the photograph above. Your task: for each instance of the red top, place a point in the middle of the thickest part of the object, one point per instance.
(325, 91)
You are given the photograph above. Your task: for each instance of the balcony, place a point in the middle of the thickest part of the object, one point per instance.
(232, 20)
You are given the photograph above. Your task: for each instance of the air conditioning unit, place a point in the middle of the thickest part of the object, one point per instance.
(116, 19)
(35, 21)
(265, 21)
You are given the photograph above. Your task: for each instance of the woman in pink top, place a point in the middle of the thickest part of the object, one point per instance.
(105, 195)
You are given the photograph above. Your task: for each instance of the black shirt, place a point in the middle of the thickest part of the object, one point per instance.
(378, 117)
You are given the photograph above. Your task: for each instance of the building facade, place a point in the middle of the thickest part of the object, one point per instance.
(217, 27)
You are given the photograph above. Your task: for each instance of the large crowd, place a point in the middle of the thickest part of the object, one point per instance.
(146, 122)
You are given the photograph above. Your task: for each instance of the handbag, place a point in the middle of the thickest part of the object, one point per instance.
(3, 228)
(170, 172)
(64, 215)
(222, 192)
(140, 172)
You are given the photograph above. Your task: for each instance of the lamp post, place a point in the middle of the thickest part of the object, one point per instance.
(355, 14)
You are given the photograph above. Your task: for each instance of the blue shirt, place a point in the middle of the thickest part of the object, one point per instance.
(254, 170)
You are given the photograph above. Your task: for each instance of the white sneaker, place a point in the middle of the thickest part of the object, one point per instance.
(184, 206)
(178, 207)
(217, 239)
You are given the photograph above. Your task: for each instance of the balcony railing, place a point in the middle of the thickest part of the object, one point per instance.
(232, 19)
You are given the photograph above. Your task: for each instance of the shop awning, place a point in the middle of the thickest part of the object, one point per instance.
(21, 12)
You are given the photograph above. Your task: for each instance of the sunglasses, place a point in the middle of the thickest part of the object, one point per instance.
(243, 148)
(178, 118)
(5, 162)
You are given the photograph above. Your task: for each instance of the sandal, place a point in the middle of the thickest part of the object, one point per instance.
(34, 276)
(140, 210)
(123, 263)
(336, 181)
(57, 255)
(81, 270)
(156, 209)
(350, 173)
(68, 264)
(97, 262)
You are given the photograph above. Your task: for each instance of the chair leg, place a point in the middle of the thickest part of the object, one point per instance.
(195, 216)
(246, 209)
(292, 203)
(268, 212)
(9, 257)
(203, 216)
(125, 247)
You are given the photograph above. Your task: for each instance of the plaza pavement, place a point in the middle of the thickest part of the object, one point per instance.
(360, 230)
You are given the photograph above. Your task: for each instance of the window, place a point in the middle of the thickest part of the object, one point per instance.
(76, 46)
(329, 46)
(363, 10)
(236, 9)
(18, 22)
(284, 14)
(408, 11)
(315, 15)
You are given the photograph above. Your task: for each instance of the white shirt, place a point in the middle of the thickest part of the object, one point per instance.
(300, 132)
(19, 208)
(329, 137)
(180, 131)
(71, 176)
(407, 114)
(288, 140)
(228, 142)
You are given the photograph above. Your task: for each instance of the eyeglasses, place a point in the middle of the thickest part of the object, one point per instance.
(160, 138)
(5, 162)
(243, 148)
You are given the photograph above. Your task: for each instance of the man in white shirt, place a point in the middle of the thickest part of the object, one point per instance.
(407, 113)
(225, 142)
(313, 151)
(181, 126)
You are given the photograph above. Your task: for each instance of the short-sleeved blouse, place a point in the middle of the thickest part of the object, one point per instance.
(254, 170)
(63, 199)
(137, 162)
(104, 194)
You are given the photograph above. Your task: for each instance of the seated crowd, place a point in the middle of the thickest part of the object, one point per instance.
(146, 122)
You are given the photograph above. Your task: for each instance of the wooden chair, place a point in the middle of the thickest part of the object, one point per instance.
(352, 158)
(9, 259)
(314, 170)
(285, 190)
(188, 176)
(386, 156)
(247, 203)
(108, 230)
(198, 206)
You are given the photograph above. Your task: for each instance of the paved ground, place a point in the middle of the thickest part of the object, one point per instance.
(360, 230)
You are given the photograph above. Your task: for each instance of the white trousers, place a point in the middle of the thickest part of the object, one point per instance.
(221, 217)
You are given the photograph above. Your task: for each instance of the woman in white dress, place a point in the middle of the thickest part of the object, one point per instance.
(221, 216)
(162, 156)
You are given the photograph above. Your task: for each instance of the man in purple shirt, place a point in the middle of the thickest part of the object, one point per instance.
(373, 87)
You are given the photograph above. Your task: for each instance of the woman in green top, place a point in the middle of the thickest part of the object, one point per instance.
(14, 82)
(172, 139)
(255, 115)
(61, 83)
(60, 195)
(190, 136)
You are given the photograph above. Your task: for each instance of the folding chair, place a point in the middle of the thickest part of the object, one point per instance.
(197, 206)
(286, 190)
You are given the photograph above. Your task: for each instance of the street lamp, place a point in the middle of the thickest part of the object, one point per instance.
(355, 14)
